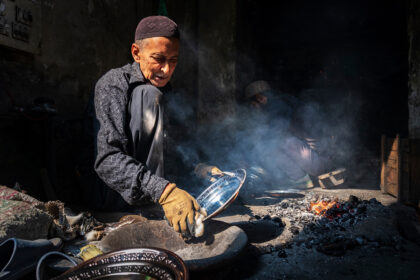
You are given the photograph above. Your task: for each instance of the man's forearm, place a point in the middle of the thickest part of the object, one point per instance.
(129, 177)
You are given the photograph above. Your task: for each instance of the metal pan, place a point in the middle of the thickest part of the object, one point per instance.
(219, 195)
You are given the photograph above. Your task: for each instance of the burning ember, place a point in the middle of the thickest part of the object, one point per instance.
(322, 207)
(331, 209)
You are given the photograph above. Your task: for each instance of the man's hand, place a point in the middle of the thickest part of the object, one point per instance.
(179, 207)
(209, 172)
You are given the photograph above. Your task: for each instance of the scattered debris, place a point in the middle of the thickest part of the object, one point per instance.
(329, 225)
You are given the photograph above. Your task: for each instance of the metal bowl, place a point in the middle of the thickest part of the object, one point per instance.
(132, 263)
(222, 192)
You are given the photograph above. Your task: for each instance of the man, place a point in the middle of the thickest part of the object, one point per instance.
(130, 111)
(298, 159)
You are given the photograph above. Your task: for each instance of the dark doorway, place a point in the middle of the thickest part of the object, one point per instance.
(351, 56)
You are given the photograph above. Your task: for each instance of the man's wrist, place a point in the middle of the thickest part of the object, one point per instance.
(166, 191)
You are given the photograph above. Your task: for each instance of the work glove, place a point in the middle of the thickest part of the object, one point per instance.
(209, 172)
(181, 208)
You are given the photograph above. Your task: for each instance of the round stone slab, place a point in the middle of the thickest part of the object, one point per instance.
(221, 242)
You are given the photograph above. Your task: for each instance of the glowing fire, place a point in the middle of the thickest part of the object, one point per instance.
(321, 208)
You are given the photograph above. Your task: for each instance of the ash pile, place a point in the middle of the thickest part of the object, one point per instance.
(331, 226)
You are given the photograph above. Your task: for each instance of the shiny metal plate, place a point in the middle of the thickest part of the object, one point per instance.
(222, 192)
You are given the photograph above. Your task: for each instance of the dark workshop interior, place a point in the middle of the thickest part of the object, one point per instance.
(339, 80)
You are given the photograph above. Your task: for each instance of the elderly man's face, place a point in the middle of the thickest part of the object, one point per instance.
(157, 57)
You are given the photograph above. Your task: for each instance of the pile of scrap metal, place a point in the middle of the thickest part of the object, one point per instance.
(23, 216)
(32, 234)
(66, 224)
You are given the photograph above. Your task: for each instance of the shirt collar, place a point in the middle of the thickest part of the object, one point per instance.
(135, 74)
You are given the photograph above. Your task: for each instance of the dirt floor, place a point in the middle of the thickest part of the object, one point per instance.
(286, 241)
(385, 243)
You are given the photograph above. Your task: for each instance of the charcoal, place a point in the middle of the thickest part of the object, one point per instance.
(257, 217)
(370, 238)
(360, 240)
(407, 229)
(300, 242)
(265, 250)
(348, 223)
(294, 230)
(282, 253)
(351, 243)
(267, 217)
(353, 199)
(332, 249)
(323, 221)
(284, 204)
(315, 242)
(361, 208)
(288, 245)
(269, 249)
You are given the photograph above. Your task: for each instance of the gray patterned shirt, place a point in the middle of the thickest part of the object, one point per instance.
(117, 163)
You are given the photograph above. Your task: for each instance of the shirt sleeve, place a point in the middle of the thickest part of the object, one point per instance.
(113, 164)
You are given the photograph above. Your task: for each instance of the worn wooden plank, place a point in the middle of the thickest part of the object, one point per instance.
(400, 169)
(393, 155)
(392, 189)
(393, 163)
(392, 144)
(391, 176)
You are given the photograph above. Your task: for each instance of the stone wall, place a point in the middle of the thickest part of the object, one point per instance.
(414, 68)
(81, 40)
(216, 56)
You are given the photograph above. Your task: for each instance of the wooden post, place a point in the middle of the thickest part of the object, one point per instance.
(399, 171)
(383, 164)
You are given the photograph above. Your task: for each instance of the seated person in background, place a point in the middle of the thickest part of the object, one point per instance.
(276, 149)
